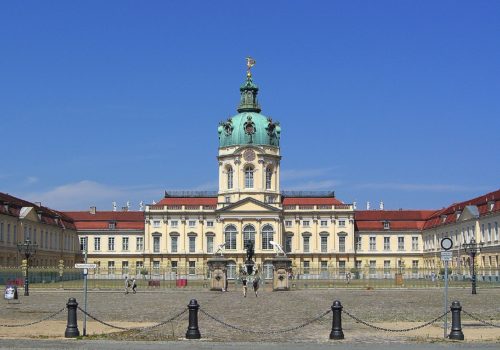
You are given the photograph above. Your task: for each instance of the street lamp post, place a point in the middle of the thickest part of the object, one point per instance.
(28, 249)
(472, 248)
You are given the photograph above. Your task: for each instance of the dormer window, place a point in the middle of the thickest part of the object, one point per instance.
(491, 205)
(387, 225)
(458, 213)
(111, 225)
(443, 218)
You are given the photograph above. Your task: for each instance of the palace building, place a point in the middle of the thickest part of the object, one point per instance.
(322, 235)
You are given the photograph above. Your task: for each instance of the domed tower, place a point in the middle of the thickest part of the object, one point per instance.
(249, 153)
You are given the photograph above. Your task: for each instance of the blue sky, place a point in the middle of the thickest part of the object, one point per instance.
(105, 101)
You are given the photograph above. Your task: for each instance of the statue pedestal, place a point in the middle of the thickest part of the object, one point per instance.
(281, 266)
(218, 273)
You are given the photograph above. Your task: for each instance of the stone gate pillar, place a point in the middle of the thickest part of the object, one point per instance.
(218, 272)
(281, 267)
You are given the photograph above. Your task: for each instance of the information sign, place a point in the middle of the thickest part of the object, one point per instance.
(446, 256)
(85, 266)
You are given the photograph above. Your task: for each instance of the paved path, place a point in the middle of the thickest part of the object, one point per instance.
(394, 309)
(189, 345)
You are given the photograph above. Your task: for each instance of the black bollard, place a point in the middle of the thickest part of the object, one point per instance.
(72, 326)
(456, 323)
(193, 331)
(337, 332)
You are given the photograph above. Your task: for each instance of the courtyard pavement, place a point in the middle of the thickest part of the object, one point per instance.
(261, 319)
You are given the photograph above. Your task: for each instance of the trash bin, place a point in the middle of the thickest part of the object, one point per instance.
(11, 293)
(181, 282)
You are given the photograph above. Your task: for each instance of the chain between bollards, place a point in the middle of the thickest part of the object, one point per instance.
(193, 332)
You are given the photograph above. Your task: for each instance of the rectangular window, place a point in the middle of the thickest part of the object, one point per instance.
(156, 244)
(174, 266)
(306, 266)
(489, 232)
(401, 243)
(156, 267)
(288, 244)
(210, 244)
(288, 223)
(139, 244)
(372, 267)
(414, 243)
(124, 267)
(139, 265)
(373, 244)
(387, 267)
(173, 242)
(8, 233)
(111, 225)
(111, 267)
(357, 264)
(341, 223)
(387, 225)
(306, 244)
(324, 244)
(192, 244)
(174, 223)
(83, 244)
(111, 243)
(210, 224)
(1, 231)
(192, 268)
(357, 240)
(414, 266)
(496, 231)
(14, 235)
(227, 199)
(341, 244)
(342, 267)
(125, 244)
(97, 244)
(324, 223)
(156, 223)
(192, 223)
(305, 223)
(387, 243)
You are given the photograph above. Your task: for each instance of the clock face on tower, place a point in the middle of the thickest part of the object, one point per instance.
(249, 155)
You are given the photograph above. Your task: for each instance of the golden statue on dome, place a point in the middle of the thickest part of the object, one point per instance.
(250, 64)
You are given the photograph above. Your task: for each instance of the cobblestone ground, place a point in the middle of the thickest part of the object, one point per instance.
(259, 317)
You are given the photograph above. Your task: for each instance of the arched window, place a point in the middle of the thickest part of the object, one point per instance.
(249, 177)
(248, 235)
(229, 178)
(269, 177)
(267, 236)
(230, 237)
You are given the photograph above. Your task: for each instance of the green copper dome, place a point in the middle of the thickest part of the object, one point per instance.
(249, 126)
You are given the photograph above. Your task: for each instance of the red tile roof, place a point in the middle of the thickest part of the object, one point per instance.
(311, 201)
(188, 201)
(399, 220)
(125, 220)
(48, 216)
(450, 213)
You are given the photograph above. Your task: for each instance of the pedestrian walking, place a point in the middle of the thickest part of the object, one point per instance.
(244, 282)
(134, 286)
(255, 285)
(126, 284)
(348, 277)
